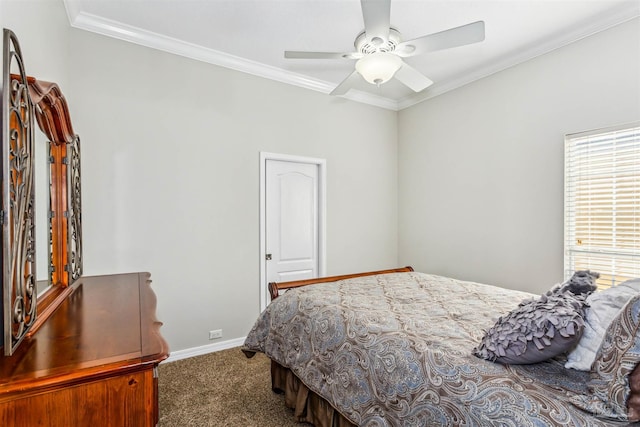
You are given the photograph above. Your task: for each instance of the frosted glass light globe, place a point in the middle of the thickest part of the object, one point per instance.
(379, 67)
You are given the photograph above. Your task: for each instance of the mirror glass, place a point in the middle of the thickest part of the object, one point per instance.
(43, 225)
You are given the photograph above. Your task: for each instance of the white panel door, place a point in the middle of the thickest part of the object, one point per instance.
(291, 220)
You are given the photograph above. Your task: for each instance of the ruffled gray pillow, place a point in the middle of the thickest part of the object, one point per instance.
(542, 328)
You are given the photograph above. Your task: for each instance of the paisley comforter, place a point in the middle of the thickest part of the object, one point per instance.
(395, 350)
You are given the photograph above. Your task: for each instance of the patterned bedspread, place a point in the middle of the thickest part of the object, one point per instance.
(395, 350)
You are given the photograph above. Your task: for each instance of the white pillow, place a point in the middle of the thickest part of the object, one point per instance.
(603, 308)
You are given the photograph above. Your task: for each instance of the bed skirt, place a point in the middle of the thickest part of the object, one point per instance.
(307, 406)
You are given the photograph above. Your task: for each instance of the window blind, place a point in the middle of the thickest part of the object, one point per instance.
(602, 203)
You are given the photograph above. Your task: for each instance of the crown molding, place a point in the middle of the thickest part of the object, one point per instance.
(617, 16)
(96, 24)
(118, 30)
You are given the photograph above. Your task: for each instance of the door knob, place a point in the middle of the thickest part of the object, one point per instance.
(268, 257)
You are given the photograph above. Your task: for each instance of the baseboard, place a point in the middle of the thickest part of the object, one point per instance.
(198, 351)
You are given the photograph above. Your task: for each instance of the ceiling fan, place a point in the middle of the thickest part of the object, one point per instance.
(380, 49)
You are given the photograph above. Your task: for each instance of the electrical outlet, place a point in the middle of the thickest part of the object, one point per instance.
(215, 334)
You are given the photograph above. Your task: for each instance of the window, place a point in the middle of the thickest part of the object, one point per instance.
(602, 203)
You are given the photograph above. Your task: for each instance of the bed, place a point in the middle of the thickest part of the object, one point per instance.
(395, 348)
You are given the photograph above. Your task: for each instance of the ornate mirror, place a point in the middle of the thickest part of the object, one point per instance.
(17, 214)
(23, 99)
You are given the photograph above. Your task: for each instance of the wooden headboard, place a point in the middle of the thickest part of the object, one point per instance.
(276, 287)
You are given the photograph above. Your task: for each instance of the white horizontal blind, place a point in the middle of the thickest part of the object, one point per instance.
(602, 203)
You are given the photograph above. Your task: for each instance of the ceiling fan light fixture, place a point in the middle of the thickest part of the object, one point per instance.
(378, 68)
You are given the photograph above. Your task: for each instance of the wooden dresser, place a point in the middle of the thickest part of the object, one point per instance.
(93, 362)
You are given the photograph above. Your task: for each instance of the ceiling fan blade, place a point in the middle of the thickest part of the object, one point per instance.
(376, 14)
(321, 55)
(454, 37)
(346, 84)
(412, 78)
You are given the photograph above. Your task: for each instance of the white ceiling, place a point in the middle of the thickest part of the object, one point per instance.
(251, 35)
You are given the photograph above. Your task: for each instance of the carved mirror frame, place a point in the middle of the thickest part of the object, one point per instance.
(23, 311)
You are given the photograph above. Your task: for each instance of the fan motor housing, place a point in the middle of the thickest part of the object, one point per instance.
(368, 46)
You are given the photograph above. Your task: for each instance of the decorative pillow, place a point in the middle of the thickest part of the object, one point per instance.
(542, 328)
(603, 307)
(613, 384)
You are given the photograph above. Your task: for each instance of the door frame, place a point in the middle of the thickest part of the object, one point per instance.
(322, 204)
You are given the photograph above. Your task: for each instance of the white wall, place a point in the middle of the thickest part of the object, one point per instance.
(170, 162)
(481, 167)
(170, 165)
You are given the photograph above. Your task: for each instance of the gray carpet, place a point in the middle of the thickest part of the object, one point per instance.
(221, 389)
